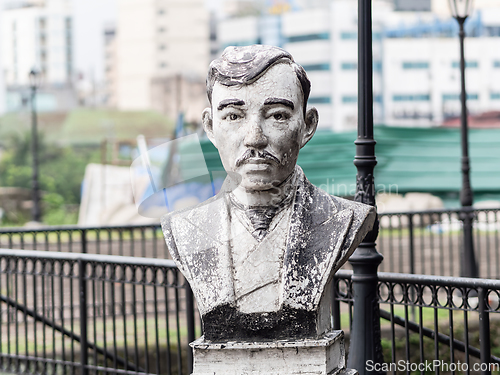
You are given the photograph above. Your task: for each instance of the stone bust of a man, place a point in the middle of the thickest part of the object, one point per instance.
(260, 255)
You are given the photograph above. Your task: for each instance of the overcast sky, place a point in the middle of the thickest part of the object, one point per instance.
(90, 18)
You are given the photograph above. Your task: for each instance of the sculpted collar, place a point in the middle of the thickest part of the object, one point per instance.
(259, 218)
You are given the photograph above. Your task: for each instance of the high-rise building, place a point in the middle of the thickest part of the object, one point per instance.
(110, 66)
(416, 80)
(2, 85)
(155, 40)
(38, 35)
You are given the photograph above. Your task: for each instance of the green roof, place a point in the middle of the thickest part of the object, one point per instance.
(409, 159)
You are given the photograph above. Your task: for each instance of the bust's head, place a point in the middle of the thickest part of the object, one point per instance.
(258, 118)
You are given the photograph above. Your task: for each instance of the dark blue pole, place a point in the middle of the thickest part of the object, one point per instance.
(365, 349)
(469, 264)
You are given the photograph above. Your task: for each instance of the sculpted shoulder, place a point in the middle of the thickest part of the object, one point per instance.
(362, 212)
(363, 220)
(183, 228)
(196, 214)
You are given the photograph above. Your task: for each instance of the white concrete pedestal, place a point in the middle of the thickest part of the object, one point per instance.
(325, 356)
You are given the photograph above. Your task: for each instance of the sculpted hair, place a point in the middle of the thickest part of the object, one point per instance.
(240, 66)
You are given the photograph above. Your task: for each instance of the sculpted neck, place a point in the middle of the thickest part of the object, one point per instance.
(271, 197)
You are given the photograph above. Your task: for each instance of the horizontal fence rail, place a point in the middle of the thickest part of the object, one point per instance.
(426, 242)
(429, 242)
(66, 313)
(124, 240)
(449, 324)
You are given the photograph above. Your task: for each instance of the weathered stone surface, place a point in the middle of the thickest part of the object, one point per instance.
(324, 356)
(323, 232)
(260, 256)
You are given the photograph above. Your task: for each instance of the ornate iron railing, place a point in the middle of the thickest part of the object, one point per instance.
(435, 320)
(426, 242)
(63, 313)
(429, 242)
(139, 305)
(125, 240)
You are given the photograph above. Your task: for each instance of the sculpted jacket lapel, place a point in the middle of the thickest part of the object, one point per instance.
(202, 244)
(315, 241)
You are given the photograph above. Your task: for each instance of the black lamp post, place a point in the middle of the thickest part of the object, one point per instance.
(460, 9)
(35, 78)
(365, 346)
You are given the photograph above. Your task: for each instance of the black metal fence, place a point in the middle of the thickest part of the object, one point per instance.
(125, 240)
(63, 313)
(61, 308)
(431, 324)
(429, 242)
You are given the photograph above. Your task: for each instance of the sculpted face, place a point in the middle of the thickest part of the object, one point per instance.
(259, 128)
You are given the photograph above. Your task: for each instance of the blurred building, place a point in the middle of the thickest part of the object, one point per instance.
(186, 93)
(413, 5)
(155, 41)
(2, 85)
(110, 66)
(38, 35)
(415, 55)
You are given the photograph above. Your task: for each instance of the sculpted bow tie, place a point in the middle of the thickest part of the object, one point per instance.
(261, 218)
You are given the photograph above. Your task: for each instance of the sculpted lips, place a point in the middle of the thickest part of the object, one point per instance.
(256, 157)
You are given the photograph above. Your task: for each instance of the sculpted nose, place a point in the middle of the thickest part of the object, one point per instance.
(254, 137)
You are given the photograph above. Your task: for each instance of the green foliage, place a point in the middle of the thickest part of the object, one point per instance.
(61, 171)
(56, 212)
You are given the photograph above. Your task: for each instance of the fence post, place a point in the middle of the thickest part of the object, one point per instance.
(484, 331)
(84, 241)
(82, 287)
(412, 261)
(191, 333)
(365, 333)
(469, 267)
(412, 244)
(336, 304)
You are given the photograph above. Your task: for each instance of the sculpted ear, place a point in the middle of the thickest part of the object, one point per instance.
(206, 121)
(311, 121)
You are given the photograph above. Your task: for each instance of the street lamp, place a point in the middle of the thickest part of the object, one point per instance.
(365, 331)
(35, 81)
(461, 9)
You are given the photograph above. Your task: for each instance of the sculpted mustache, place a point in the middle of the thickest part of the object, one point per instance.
(256, 154)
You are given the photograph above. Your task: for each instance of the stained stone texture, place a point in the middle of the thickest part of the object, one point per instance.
(260, 255)
(324, 356)
(323, 231)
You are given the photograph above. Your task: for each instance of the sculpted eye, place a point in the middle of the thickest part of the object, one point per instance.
(280, 116)
(233, 117)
